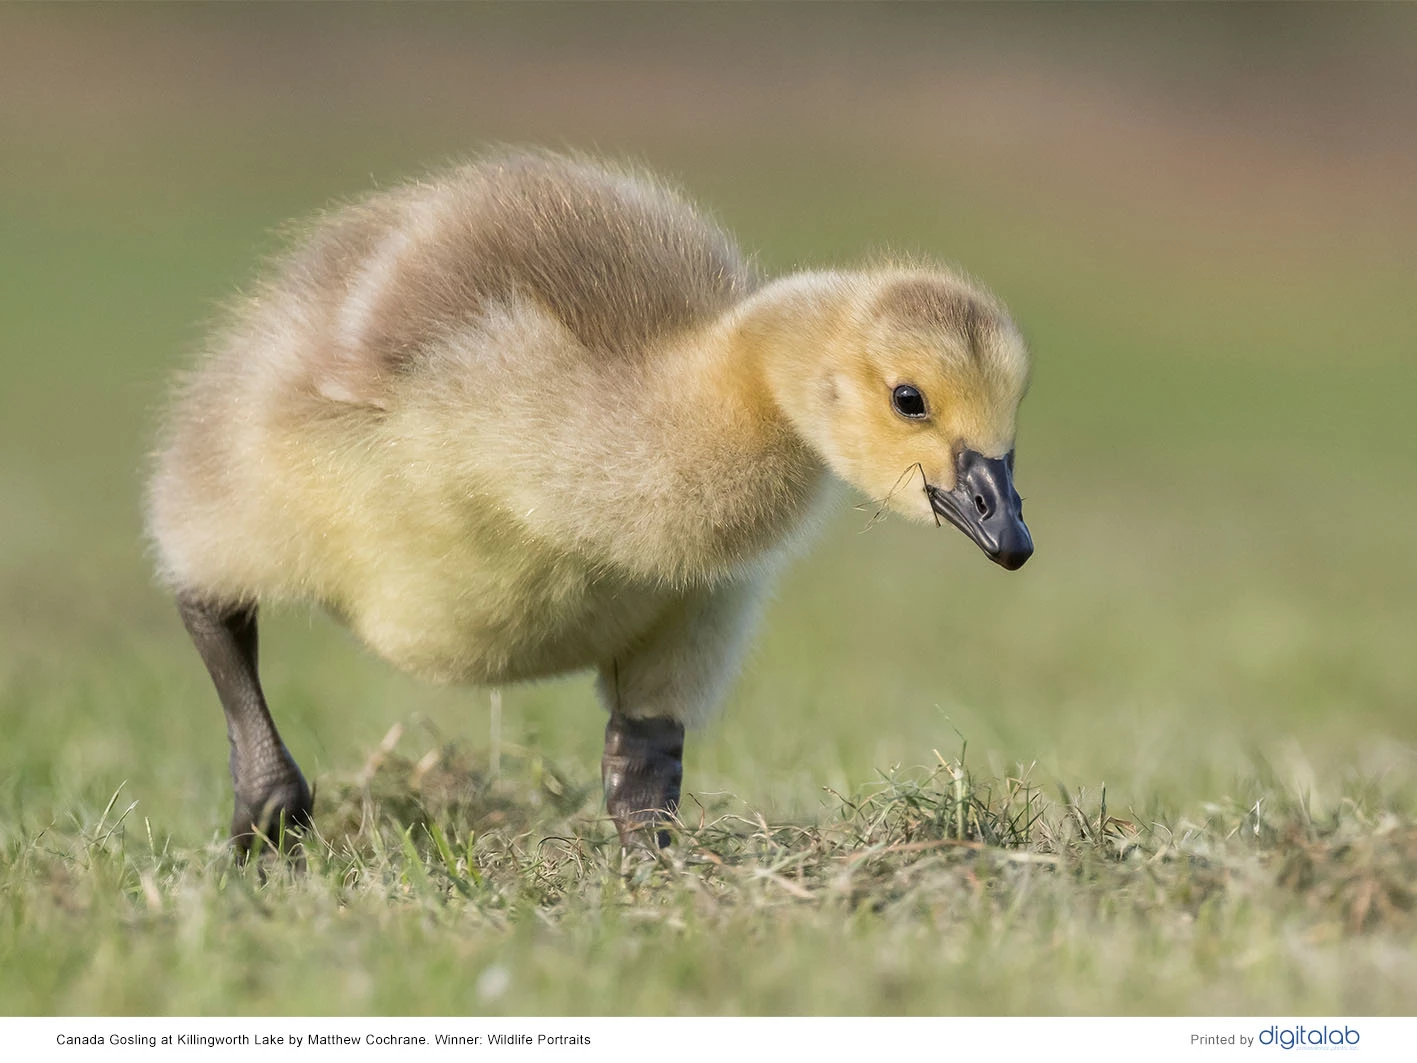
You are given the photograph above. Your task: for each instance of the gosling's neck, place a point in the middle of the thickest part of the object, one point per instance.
(741, 476)
(771, 347)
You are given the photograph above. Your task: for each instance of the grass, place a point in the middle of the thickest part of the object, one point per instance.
(434, 889)
(1191, 777)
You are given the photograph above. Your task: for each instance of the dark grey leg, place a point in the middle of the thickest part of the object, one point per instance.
(641, 770)
(270, 791)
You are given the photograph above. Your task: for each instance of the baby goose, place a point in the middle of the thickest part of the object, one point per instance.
(537, 415)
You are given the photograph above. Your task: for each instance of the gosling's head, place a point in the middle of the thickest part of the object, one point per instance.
(913, 397)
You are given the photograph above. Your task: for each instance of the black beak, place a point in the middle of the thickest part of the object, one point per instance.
(985, 506)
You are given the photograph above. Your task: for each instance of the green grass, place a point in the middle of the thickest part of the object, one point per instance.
(1215, 633)
(434, 889)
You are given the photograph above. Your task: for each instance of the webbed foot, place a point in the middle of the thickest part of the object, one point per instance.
(272, 811)
(641, 770)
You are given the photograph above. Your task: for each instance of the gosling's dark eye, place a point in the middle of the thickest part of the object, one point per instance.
(908, 401)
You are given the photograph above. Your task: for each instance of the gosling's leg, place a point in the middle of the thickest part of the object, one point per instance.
(642, 768)
(271, 794)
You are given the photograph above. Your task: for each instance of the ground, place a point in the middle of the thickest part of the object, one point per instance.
(1168, 767)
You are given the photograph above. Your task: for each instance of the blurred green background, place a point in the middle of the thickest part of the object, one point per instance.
(1203, 217)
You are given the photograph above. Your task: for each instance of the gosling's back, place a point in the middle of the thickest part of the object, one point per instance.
(619, 259)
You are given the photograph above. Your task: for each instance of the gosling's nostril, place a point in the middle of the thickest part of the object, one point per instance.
(981, 505)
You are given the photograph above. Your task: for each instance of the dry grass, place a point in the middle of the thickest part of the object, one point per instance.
(912, 839)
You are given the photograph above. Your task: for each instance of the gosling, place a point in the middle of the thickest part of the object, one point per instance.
(538, 414)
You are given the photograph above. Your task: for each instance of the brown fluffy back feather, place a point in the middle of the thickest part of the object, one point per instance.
(620, 260)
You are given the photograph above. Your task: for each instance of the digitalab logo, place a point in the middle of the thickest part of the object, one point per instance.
(1330, 1037)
